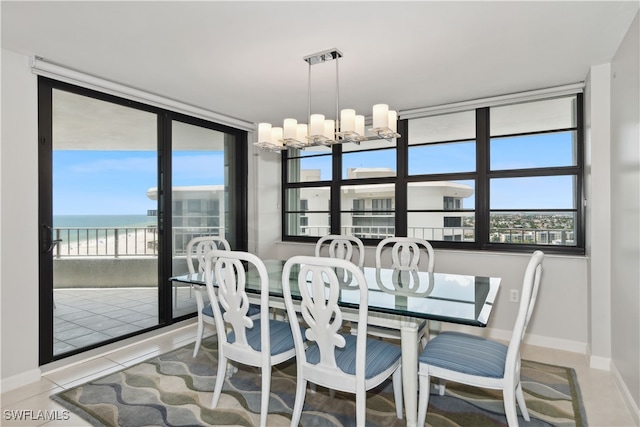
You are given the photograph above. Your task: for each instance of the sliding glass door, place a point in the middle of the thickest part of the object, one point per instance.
(101, 241)
(110, 237)
(204, 196)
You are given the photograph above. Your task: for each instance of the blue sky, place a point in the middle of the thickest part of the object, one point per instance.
(95, 182)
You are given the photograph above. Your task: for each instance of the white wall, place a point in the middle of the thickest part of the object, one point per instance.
(625, 211)
(19, 223)
(598, 212)
(560, 320)
(264, 202)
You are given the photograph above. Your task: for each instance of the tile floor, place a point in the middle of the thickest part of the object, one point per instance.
(87, 316)
(603, 402)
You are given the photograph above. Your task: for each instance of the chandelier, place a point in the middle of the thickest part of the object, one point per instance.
(350, 127)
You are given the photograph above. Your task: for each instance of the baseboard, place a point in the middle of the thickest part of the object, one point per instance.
(531, 339)
(117, 346)
(626, 395)
(597, 362)
(17, 381)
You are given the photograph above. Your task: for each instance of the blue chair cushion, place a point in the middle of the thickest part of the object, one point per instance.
(253, 310)
(465, 353)
(380, 356)
(280, 332)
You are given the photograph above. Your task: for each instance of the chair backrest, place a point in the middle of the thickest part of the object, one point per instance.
(528, 296)
(320, 288)
(342, 247)
(227, 270)
(405, 253)
(198, 247)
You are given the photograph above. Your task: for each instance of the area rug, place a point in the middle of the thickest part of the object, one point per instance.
(175, 389)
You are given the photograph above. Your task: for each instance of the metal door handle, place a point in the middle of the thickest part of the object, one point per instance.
(49, 237)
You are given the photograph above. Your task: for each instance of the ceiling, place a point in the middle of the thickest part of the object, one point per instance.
(245, 59)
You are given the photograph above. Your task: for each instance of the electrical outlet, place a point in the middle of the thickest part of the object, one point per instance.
(514, 296)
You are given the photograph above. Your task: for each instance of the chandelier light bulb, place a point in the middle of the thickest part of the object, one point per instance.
(359, 124)
(276, 136)
(316, 125)
(393, 121)
(380, 116)
(302, 132)
(290, 128)
(329, 129)
(264, 132)
(348, 120)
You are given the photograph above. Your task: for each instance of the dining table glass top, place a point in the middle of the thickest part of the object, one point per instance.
(454, 298)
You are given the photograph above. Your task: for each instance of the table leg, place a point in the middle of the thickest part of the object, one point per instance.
(409, 343)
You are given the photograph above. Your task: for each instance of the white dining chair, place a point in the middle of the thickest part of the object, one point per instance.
(404, 254)
(197, 248)
(262, 342)
(481, 362)
(329, 358)
(341, 246)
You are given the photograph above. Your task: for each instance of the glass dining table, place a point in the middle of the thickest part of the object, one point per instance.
(400, 300)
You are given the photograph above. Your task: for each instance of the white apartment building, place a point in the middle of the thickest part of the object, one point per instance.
(368, 211)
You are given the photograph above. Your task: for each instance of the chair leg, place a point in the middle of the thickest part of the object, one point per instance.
(199, 334)
(361, 406)
(220, 377)
(521, 403)
(509, 397)
(423, 398)
(397, 391)
(266, 389)
(301, 388)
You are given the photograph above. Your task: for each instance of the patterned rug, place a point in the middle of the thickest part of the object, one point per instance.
(176, 390)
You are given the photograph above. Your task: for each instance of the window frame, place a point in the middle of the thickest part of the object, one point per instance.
(482, 177)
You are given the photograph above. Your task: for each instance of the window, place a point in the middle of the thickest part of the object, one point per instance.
(451, 203)
(379, 205)
(535, 171)
(452, 221)
(503, 177)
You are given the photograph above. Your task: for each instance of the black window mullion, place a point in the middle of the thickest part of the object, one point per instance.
(482, 182)
(336, 189)
(402, 172)
(165, 218)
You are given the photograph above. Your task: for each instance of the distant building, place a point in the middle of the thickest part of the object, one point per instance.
(368, 211)
(196, 210)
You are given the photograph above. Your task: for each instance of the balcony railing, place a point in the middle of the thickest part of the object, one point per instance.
(533, 236)
(122, 241)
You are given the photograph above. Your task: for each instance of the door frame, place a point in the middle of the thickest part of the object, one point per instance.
(45, 208)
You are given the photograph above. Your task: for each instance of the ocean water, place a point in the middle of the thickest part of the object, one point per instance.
(110, 221)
